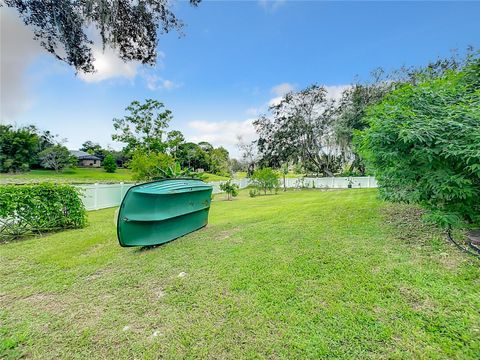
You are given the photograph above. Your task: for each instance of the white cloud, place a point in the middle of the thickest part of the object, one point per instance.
(334, 92)
(275, 101)
(221, 133)
(271, 5)
(282, 89)
(17, 52)
(155, 82)
(108, 65)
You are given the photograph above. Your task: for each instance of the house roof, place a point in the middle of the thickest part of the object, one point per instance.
(82, 155)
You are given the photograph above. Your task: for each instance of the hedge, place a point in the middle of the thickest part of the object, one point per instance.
(33, 209)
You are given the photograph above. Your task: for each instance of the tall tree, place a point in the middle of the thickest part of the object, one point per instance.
(174, 139)
(18, 148)
(219, 161)
(94, 149)
(191, 156)
(144, 127)
(56, 157)
(299, 129)
(249, 154)
(130, 27)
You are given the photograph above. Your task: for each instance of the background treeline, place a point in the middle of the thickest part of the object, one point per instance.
(150, 149)
(416, 129)
(314, 133)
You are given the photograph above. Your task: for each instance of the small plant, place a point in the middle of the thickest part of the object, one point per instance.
(265, 180)
(230, 189)
(109, 164)
(253, 192)
(349, 182)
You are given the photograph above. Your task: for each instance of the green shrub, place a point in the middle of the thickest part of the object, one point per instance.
(27, 209)
(423, 143)
(230, 189)
(265, 180)
(109, 164)
(154, 166)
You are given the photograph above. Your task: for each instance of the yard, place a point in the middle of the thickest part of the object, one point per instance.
(307, 274)
(78, 175)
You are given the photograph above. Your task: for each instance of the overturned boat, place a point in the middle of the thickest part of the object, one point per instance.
(160, 211)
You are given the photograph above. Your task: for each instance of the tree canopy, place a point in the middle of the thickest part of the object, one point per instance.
(64, 27)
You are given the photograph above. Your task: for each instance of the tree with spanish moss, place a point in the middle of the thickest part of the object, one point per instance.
(63, 27)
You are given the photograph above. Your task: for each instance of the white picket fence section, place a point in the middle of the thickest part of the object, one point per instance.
(101, 196)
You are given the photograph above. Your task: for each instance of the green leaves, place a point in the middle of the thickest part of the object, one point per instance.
(144, 127)
(38, 208)
(265, 180)
(109, 164)
(230, 189)
(423, 142)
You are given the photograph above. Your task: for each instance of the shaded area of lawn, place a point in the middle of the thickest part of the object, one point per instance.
(299, 274)
(79, 175)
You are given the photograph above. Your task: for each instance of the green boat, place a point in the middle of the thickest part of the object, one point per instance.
(160, 211)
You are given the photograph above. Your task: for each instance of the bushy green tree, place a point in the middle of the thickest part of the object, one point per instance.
(265, 180)
(219, 161)
(109, 164)
(230, 189)
(192, 156)
(56, 157)
(94, 149)
(144, 126)
(423, 142)
(18, 148)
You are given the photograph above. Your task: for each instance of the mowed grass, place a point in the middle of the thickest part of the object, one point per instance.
(79, 175)
(307, 274)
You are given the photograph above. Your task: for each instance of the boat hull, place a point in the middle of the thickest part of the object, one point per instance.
(161, 211)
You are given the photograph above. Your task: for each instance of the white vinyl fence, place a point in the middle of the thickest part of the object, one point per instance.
(100, 196)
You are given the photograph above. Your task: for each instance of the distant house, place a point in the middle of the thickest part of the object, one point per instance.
(85, 159)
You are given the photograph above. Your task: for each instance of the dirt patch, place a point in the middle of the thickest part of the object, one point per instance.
(406, 221)
(417, 303)
(226, 234)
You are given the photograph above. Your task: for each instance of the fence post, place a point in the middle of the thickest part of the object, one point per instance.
(95, 196)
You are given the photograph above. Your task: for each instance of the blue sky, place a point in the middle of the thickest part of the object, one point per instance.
(234, 59)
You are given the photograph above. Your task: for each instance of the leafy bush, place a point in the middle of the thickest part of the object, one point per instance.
(154, 166)
(149, 166)
(109, 164)
(265, 180)
(26, 209)
(424, 145)
(230, 189)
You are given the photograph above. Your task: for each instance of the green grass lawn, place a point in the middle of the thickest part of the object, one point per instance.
(307, 274)
(79, 175)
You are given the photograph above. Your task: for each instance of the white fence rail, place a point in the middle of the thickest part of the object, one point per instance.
(100, 196)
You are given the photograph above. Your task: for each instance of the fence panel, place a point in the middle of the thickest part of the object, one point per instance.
(100, 196)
